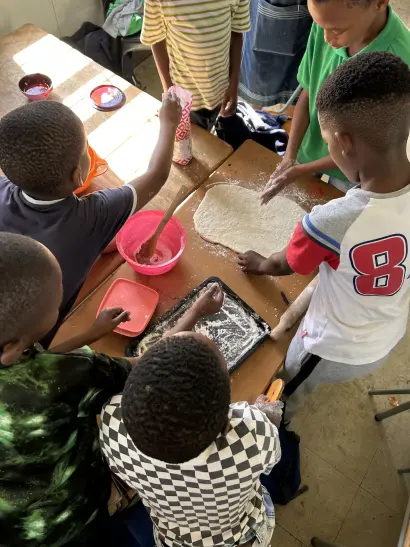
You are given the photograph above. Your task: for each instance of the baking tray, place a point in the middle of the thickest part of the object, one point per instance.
(237, 329)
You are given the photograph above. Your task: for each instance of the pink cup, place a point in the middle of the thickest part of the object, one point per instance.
(138, 229)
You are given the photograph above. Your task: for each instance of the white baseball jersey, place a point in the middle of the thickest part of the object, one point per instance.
(359, 310)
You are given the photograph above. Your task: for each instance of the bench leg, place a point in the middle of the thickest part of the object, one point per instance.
(397, 391)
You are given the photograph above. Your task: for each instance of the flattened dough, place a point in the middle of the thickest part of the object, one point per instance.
(233, 216)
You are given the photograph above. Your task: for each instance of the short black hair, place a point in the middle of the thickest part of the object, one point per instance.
(41, 144)
(26, 267)
(176, 400)
(370, 95)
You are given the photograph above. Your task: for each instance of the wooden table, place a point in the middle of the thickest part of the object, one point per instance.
(125, 138)
(250, 166)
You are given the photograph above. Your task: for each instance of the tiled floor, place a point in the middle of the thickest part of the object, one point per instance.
(349, 461)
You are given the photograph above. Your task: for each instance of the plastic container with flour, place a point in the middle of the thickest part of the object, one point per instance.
(183, 140)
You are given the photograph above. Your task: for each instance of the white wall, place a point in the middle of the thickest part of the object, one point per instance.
(60, 17)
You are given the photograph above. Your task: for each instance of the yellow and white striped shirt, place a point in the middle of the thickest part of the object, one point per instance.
(198, 38)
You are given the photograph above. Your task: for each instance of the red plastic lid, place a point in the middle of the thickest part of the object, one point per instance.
(107, 97)
(138, 299)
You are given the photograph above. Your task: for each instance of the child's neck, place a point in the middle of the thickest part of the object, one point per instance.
(372, 33)
(386, 173)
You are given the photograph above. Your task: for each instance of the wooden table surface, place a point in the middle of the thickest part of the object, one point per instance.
(250, 166)
(125, 138)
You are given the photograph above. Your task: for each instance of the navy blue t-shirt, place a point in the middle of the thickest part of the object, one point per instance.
(76, 230)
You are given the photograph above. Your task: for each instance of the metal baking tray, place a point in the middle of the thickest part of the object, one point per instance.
(237, 329)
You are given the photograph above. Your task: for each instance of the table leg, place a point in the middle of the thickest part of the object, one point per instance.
(380, 416)
(316, 542)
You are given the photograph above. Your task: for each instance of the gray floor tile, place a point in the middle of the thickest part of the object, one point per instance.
(370, 523)
(341, 429)
(322, 510)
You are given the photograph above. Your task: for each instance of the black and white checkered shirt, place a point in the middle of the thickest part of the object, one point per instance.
(213, 500)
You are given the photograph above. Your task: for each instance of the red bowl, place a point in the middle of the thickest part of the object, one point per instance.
(36, 87)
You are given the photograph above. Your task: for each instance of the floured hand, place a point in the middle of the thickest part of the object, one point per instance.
(283, 175)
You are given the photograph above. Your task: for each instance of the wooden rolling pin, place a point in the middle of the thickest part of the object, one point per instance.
(295, 311)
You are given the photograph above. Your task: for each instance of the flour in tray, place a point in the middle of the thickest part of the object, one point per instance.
(233, 329)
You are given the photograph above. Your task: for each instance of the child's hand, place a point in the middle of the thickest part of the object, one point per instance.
(209, 301)
(273, 410)
(171, 110)
(230, 101)
(108, 320)
(251, 263)
(283, 175)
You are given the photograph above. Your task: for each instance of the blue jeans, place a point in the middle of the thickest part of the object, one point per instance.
(132, 527)
(263, 535)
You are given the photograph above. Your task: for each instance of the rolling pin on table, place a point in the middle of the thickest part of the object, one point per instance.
(250, 166)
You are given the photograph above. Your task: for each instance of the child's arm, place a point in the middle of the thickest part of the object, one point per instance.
(230, 99)
(288, 170)
(209, 302)
(160, 53)
(240, 23)
(300, 123)
(254, 263)
(151, 182)
(154, 33)
(315, 240)
(105, 323)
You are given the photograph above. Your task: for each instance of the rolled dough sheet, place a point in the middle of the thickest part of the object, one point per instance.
(233, 216)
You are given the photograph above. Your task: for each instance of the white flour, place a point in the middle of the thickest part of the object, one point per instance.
(233, 216)
(233, 329)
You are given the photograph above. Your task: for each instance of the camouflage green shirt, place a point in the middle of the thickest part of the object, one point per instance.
(53, 480)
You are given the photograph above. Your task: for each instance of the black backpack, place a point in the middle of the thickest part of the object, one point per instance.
(283, 483)
(257, 125)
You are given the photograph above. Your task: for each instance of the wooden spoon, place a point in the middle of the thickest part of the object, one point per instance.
(148, 248)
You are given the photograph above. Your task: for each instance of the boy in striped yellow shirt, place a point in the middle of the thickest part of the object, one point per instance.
(198, 45)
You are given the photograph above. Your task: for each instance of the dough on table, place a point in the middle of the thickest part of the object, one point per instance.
(233, 216)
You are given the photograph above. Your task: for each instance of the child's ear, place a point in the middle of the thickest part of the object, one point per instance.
(345, 143)
(381, 4)
(77, 177)
(11, 352)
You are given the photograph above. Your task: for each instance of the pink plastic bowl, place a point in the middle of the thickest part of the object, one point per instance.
(138, 229)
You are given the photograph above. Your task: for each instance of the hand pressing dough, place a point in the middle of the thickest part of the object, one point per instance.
(233, 216)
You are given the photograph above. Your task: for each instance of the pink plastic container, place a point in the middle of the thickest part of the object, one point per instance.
(138, 229)
(138, 299)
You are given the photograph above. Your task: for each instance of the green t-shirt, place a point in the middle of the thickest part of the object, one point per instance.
(321, 60)
(53, 480)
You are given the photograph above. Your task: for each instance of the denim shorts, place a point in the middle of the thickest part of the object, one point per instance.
(263, 535)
